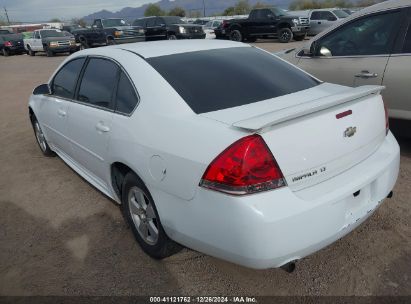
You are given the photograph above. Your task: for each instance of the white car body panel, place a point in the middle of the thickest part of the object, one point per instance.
(170, 147)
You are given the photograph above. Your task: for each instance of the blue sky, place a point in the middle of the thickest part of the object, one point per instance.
(43, 10)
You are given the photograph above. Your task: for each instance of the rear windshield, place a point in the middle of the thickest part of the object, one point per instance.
(51, 33)
(219, 79)
(340, 14)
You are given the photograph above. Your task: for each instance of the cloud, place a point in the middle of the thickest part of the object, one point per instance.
(44, 10)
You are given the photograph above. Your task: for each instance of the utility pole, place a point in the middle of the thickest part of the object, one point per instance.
(204, 8)
(7, 15)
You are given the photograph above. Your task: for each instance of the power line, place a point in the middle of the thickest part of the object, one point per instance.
(7, 15)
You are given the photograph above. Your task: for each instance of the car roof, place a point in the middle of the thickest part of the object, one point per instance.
(390, 4)
(170, 47)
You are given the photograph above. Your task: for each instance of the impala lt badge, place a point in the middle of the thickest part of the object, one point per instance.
(350, 131)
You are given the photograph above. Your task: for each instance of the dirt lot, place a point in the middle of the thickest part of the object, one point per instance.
(60, 236)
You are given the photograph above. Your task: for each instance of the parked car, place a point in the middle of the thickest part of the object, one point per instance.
(371, 47)
(108, 32)
(321, 19)
(260, 170)
(11, 44)
(50, 42)
(5, 32)
(169, 27)
(209, 28)
(267, 23)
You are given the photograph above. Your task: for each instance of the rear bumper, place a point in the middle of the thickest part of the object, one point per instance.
(300, 30)
(64, 49)
(16, 49)
(270, 229)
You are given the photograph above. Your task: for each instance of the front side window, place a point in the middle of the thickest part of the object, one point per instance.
(151, 22)
(126, 98)
(316, 15)
(64, 82)
(139, 22)
(98, 82)
(373, 35)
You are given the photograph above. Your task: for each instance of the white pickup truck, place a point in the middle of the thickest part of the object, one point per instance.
(50, 41)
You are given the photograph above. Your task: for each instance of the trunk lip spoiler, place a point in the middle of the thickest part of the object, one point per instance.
(275, 117)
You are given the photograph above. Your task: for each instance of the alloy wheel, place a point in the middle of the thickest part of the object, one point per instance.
(143, 215)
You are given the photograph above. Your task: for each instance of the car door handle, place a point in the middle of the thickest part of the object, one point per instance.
(319, 22)
(102, 128)
(61, 113)
(366, 75)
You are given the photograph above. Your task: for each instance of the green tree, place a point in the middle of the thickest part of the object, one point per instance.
(153, 10)
(55, 20)
(79, 21)
(229, 11)
(177, 11)
(242, 7)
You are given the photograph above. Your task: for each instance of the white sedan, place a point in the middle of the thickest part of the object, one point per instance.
(252, 160)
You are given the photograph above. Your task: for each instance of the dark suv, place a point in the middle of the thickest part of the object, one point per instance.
(11, 43)
(169, 27)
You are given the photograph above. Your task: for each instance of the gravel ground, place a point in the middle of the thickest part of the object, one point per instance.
(60, 236)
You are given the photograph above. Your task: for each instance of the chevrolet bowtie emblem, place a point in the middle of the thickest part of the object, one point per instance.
(350, 131)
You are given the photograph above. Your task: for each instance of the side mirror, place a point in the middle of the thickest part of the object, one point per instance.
(325, 52)
(332, 18)
(42, 89)
(163, 25)
(270, 16)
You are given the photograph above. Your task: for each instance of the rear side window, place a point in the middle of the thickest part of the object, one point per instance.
(64, 82)
(229, 77)
(126, 99)
(97, 85)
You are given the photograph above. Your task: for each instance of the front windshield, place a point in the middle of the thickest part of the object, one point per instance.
(340, 14)
(173, 20)
(279, 12)
(51, 33)
(113, 22)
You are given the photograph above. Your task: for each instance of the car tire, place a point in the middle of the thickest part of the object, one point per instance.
(110, 41)
(5, 52)
(141, 215)
(171, 37)
(41, 139)
(49, 52)
(31, 52)
(83, 45)
(236, 35)
(299, 38)
(285, 35)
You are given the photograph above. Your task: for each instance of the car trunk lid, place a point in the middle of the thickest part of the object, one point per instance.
(307, 136)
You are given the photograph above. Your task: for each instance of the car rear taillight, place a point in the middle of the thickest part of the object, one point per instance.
(245, 167)
(387, 121)
(8, 43)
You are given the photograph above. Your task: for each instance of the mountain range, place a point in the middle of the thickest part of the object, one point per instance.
(211, 7)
